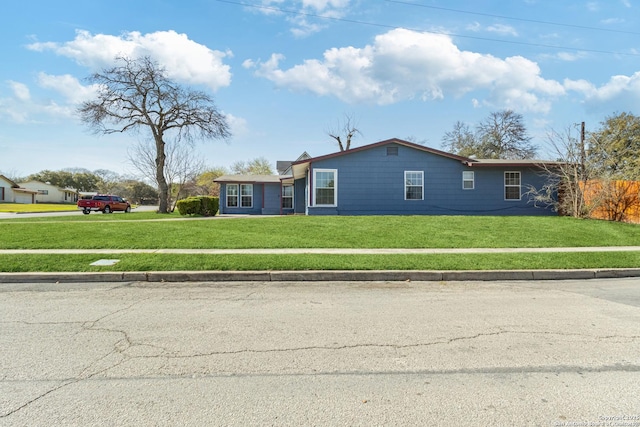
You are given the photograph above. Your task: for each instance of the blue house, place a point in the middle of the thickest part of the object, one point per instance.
(392, 177)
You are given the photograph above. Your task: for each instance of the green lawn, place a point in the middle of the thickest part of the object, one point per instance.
(153, 231)
(38, 207)
(173, 262)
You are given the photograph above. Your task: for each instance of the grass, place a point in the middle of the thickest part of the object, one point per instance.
(147, 230)
(39, 207)
(172, 262)
(128, 231)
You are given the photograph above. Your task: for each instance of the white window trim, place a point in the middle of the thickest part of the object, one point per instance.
(421, 184)
(472, 180)
(335, 187)
(237, 196)
(240, 196)
(291, 197)
(519, 186)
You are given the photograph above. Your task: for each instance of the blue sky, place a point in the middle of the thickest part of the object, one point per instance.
(286, 71)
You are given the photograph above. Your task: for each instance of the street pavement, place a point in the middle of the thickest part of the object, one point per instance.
(503, 353)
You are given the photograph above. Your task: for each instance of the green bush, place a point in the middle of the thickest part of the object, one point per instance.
(199, 205)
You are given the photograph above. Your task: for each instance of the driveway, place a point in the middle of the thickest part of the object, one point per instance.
(324, 353)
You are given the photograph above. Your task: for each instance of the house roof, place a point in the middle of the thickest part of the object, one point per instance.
(284, 166)
(12, 183)
(33, 182)
(252, 178)
(300, 166)
(381, 143)
(25, 190)
(15, 187)
(510, 162)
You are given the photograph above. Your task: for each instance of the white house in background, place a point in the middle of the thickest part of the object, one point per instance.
(49, 193)
(10, 192)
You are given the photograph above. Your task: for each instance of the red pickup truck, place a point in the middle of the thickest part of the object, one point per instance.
(104, 203)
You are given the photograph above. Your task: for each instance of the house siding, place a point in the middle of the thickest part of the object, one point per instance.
(372, 183)
(299, 196)
(53, 194)
(272, 199)
(255, 209)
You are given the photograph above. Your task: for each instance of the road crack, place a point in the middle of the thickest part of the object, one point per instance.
(119, 347)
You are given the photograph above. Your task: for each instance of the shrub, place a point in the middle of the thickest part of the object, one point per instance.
(198, 205)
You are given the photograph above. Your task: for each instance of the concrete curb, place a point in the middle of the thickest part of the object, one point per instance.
(317, 276)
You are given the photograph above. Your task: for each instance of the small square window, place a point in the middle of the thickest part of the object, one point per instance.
(392, 151)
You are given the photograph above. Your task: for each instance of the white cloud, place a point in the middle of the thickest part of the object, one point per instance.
(620, 92)
(593, 6)
(565, 56)
(184, 59)
(403, 64)
(68, 86)
(20, 90)
(502, 30)
(23, 108)
(612, 21)
(301, 26)
(238, 125)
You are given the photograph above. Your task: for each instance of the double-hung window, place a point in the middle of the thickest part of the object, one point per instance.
(240, 195)
(414, 185)
(326, 187)
(468, 180)
(246, 195)
(512, 185)
(287, 196)
(232, 195)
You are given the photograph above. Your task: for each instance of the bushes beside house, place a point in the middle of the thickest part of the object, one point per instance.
(199, 205)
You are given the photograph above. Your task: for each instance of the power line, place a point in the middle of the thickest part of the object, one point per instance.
(512, 18)
(445, 33)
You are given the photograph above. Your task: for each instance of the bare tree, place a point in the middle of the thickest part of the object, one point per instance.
(461, 140)
(137, 94)
(503, 135)
(108, 181)
(344, 132)
(567, 179)
(182, 165)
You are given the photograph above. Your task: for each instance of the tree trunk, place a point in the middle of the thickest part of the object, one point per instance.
(163, 187)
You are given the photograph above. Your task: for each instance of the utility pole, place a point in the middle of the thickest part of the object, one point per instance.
(582, 151)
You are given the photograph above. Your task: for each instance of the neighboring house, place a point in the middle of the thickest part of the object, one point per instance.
(392, 177)
(10, 192)
(49, 193)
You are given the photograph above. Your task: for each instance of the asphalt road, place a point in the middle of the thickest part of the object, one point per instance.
(541, 353)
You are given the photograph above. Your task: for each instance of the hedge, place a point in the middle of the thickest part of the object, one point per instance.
(199, 205)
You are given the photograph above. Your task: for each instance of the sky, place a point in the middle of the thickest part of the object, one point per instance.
(287, 72)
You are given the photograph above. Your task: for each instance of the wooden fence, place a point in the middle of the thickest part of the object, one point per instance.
(613, 200)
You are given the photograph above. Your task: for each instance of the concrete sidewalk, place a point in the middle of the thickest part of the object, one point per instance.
(323, 275)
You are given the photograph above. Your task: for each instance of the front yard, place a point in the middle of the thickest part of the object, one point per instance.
(153, 231)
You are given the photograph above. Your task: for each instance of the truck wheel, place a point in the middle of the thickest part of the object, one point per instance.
(86, 211)
(128, 209)
(107, 210)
